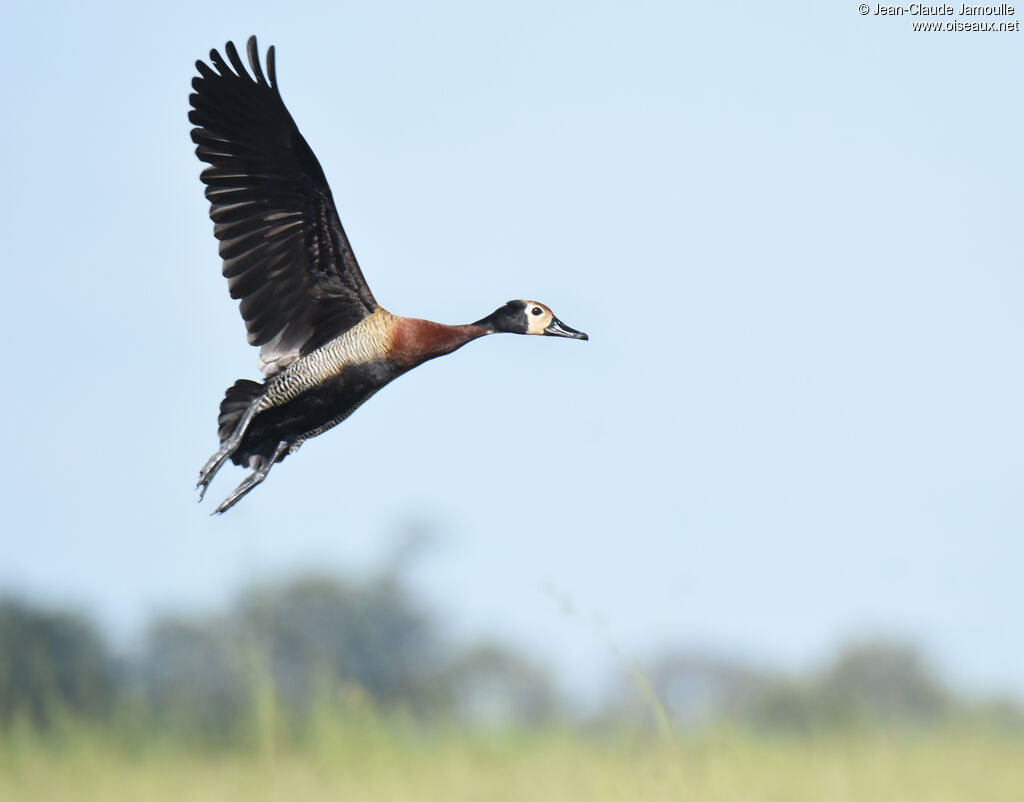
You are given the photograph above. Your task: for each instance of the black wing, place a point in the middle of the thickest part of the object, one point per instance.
(285, 253)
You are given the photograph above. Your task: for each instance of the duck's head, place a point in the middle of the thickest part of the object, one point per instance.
(528, 317)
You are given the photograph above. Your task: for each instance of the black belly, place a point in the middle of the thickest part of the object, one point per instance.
(314, 411)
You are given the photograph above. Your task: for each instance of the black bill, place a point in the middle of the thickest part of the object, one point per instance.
(559, 329)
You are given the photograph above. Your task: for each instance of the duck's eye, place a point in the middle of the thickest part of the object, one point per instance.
(537, 311)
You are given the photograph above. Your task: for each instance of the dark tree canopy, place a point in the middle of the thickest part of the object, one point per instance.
(51, 663)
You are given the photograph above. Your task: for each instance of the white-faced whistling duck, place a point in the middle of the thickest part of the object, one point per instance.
(326, 345)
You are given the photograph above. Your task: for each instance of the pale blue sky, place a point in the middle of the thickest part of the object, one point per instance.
(791, 231)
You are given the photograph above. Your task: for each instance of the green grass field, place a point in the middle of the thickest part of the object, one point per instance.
(205, 717)
(377, 764)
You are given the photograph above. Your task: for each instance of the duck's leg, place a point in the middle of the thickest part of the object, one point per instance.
(227, 448)
(252, 479)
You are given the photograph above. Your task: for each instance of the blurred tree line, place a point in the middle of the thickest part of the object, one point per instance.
(874, 685)
(296, 646)
(294, 649)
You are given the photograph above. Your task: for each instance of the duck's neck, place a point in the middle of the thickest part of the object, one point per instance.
(415, 341)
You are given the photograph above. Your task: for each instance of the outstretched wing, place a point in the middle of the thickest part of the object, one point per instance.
(285, 252)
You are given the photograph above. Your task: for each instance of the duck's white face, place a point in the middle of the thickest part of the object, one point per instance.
(538, 317)
(541, 320)
(527, 317)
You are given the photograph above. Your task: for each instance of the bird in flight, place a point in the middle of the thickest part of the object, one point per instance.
(326, 345)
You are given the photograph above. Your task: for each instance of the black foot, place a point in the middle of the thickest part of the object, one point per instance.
(213, 464)
(247, 484)
(250, 481)
(227, 448)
